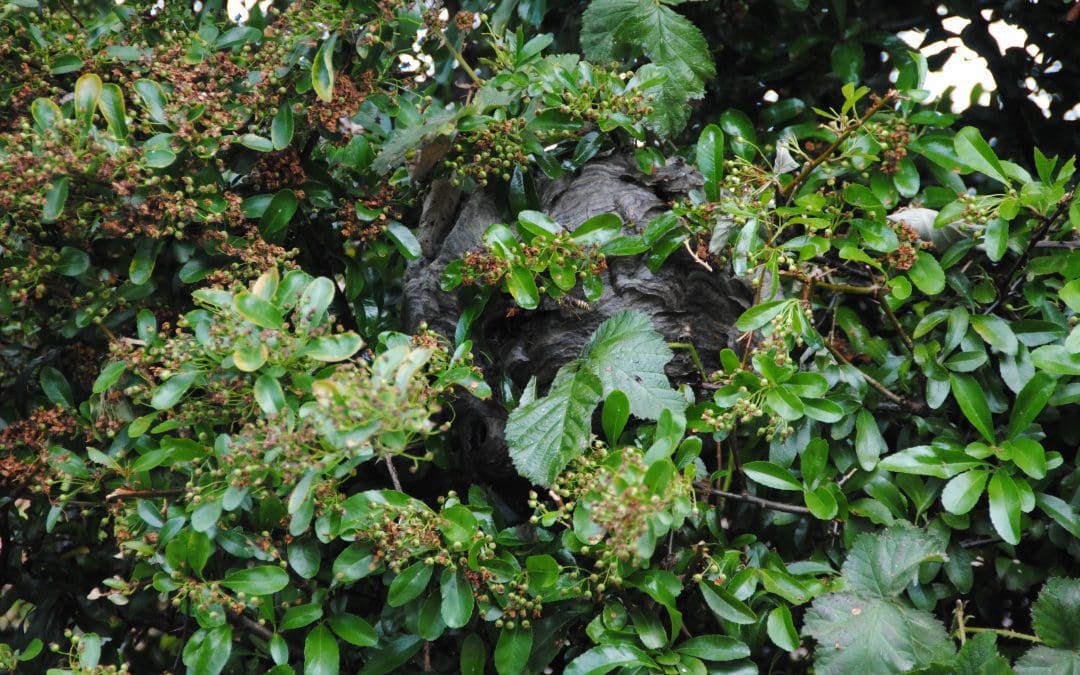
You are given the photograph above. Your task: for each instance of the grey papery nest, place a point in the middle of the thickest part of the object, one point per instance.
(685, 302)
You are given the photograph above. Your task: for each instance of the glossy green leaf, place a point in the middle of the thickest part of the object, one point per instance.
(278, 214)
(714, 648)
(322, 69)
(710, 160)
(299, 616)
(55, 197)
(926, 274)
(781, 629)
(962, 492)
(169, 393)
(457, 598)
(1031, 401)
(353, 629)
(404, 239)
(869, 443)
(614, 416)
(321, 656)
(972, 401)
(772, 475)
(512, 651)
(725, 605)
(262, 580)
(56, 387)
(256, 310)
(409, 584)
(111, 104)
(87, 95)
(1005, 506)
(281, 129)
(973, 150)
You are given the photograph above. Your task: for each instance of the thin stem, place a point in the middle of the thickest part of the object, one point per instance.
(789, 190)
(707, 266)
(461, 60)
(896, 322)
(393, 472)
(958, 614)
(125, 493)
(910, 406)
(1004, 633)
(752, 499)
(689, 346)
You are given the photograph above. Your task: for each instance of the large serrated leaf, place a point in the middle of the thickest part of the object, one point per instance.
(1054, 615)
(547, 433)
(872, 635)
(668, 39)
(628, 355)
(882, 565)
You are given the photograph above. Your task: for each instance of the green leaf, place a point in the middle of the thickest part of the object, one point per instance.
(606, 658)
(1070, 294)
(281, 129)
(1061, 511)
(208, 650)
(883, 564)
(522, 285)
(512, 651)
(996, 238)
(72, 262)
(628, 355)
(872, 635)
(1030, 402)
(714, 648)
(615, 414)
(56, 387)
(299, 616)
(354, 630)
(781, 629)
(305, 555)
(55, 198)
(929, 460)
(409, 584)
(848, 61)
(737, 125)
(869, 443)
(598, 230)
(256, 142)
(710, 160)
(545, 434)
(321, 652)
(404, 239)
(772, 475)
(322, 70)
(1048, 661)
(1028, 455)
(109, 376)
(257, 310)
(969, 395)
(1005, 506)
(906, 178)
(278, 214)
(821, 502)
(153, 98)
(995, 332)
(332, 348)
(1054, 614)
(538, 224)
(473, 655)
(142, 263)
(963, 491)
(87, 95)
(973, 150)
(926, 274)
(111, 104)
(263, 580)
(169, 393)
(269, 395)
(669, 40)
(725, 605)
(457, 598)
(759, 315)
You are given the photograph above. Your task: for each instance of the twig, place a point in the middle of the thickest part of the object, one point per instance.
(789, 190)
(907, 405)
(958, 614)
(752, 499)
(67, 9)
(393, 472)
(895, 322)
(254, 626)
(461, 60)
(686, 243)
(1005, 633)
(125, 493)
(1009, 282)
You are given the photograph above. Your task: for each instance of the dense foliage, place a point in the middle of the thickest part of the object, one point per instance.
(224, 450)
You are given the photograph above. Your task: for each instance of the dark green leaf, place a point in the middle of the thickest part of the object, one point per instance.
(281, 129)
(615, 414)
(321, 652)
(409, 584)
(263, 580)
(1005, 506)
(725, 605)
(969, 395)
(973, 150)
(714, 648)
(322, 70)
(354, 630)
(278, 214)
(869, 443)
(1030, 402)
(512, 651)
(710, 160)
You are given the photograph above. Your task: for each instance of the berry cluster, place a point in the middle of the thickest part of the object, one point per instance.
(488, 153)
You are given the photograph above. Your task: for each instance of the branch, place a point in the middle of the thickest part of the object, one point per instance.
(788, 190)
(910, 406)
(1009, 282)
(1004, 633)
(752, 499)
